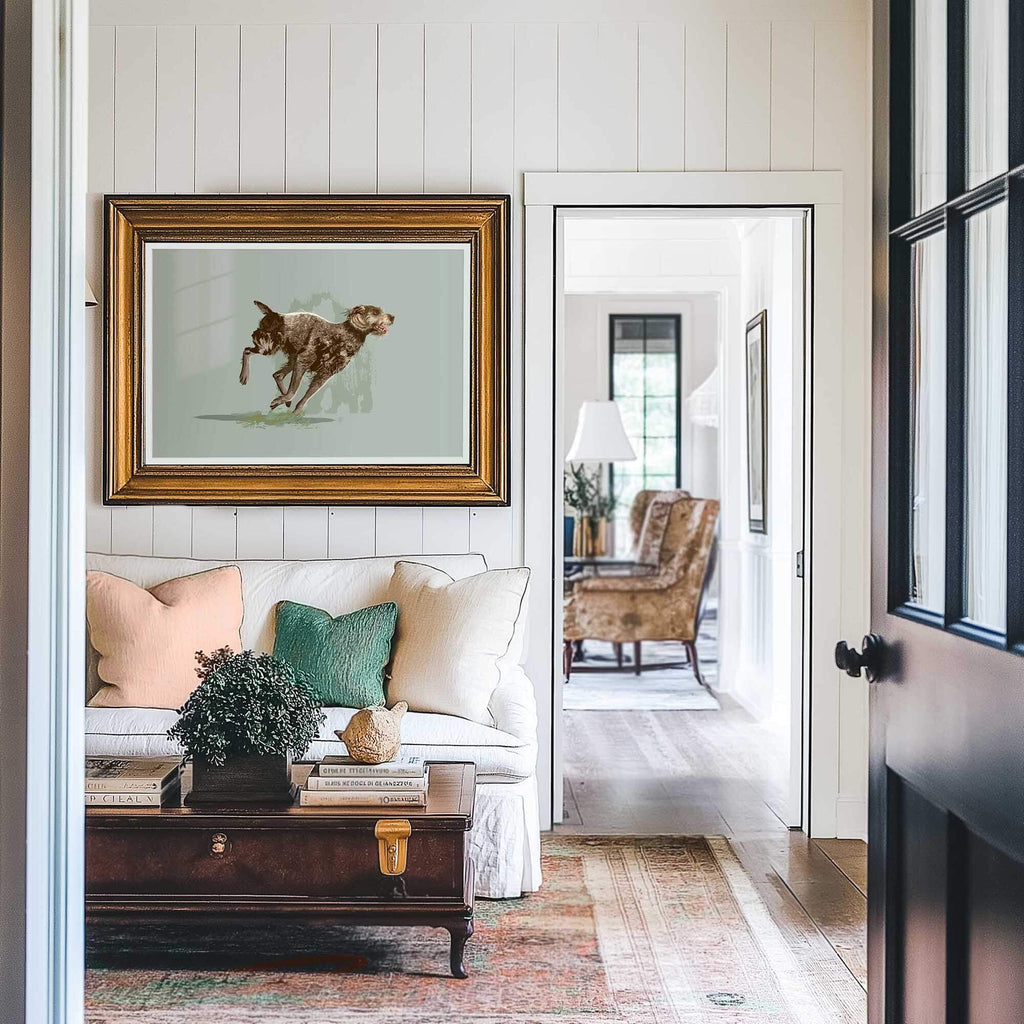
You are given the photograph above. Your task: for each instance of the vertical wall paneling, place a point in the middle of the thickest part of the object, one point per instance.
(704, 118)
(661, 93)
(100, 180)
(493, 107)
(792, 114)
(400, 108)
(445, 530)
(261, 120)
(399, 531)
(490, 534)
(131, 530)
(353, 122)
(172, 531)
(840, 128)
(308, 95)
(446, 107)
(213, 533)
(536, 97)
(597, 97)
(259, 532)
(748, 95)
(175, 108)
(135, 106)
(351, 532)
(217, 142)
(305, 532)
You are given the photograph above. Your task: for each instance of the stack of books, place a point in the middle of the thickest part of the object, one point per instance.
(341, 782)
(131, 781)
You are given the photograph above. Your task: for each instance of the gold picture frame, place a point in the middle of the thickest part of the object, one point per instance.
(476, 225)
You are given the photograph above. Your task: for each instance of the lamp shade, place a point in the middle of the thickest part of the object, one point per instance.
(600, 435)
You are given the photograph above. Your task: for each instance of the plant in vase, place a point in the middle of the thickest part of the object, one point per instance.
(241, 727)
(593, 507)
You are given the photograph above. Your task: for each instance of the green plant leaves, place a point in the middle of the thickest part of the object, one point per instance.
(247, 703)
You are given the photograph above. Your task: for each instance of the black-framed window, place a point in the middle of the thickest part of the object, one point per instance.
(643, 375)
(956, 302)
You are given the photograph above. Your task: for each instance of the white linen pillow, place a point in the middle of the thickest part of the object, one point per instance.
(452, 637)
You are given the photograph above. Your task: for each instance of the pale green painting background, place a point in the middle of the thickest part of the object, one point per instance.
(401, 398)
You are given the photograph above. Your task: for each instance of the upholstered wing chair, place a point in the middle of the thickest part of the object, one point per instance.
(662, 601)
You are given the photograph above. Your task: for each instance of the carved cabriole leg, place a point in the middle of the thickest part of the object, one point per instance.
(636, 658)
(567, 652)
(460, 934)
(618, 654)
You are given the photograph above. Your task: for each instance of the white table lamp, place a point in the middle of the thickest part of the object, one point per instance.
(600, 435)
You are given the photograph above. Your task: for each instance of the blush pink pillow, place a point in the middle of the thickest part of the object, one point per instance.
(147, 639)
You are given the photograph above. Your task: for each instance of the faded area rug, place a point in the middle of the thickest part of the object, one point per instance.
(625, 929)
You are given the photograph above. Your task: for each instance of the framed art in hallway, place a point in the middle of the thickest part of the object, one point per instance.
(323, 350)
(756, 355)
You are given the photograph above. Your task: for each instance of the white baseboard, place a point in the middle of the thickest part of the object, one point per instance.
(851, 818)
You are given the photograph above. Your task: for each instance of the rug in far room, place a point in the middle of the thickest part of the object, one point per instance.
(603, 687)
(625, 930)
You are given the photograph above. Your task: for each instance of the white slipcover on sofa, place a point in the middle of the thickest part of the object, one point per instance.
(505, 839)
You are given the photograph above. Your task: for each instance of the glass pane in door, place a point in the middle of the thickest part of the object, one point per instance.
(985, 455)
(928, 423)
(929, 104)
(988, 84)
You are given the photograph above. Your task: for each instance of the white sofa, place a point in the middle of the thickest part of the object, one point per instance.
(505, 839)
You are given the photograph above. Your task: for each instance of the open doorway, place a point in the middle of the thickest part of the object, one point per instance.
(683, 344)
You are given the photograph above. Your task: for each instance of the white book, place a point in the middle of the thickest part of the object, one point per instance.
(130, 774)
(402, 767)
(127, 799)
(351, 784)
(360, 798)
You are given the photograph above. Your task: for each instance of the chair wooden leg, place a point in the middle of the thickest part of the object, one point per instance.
(568, 649)
(686, 649)
(618, 654)
(637, 665)
(691, 650)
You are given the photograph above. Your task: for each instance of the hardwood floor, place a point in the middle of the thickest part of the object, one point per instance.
(719, 773)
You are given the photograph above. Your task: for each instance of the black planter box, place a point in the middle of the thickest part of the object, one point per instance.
(244, 779)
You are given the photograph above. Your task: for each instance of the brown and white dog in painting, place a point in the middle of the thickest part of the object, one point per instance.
(312, 345)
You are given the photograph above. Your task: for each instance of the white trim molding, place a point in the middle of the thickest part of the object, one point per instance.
(828, 590)
(42, 535)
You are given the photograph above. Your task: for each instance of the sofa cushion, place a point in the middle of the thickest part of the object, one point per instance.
(499, 756)
(337, 585)
(342, 657)
(147, 639)
(452, 637)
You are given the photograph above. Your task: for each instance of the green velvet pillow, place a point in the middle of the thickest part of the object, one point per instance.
(344, 658)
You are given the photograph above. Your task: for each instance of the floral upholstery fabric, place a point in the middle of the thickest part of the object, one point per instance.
(638, 514)
(663, 604)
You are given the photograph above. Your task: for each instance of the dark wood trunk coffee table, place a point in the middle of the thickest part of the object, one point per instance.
(370, 866)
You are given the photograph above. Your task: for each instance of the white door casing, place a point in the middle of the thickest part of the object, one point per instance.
(822, 193)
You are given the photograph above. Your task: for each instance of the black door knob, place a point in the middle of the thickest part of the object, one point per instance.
(870, 658)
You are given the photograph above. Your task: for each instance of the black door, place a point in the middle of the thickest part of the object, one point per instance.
(946, 837)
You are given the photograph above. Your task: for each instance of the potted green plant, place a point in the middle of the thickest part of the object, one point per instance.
(585, 495)
(241, 727)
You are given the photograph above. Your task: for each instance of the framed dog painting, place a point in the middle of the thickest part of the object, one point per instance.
(322, 350)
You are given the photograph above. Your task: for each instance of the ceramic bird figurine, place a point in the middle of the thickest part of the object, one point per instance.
(374, 734)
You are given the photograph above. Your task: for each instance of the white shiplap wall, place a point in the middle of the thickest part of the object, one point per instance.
(217, 97)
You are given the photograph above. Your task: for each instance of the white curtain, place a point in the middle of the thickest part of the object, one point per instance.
(986, 454)
(988, 77)
(928, 422)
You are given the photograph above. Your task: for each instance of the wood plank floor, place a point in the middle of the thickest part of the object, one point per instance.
(719, 773)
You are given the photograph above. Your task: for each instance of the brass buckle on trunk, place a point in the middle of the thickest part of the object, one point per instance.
(393, 843)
